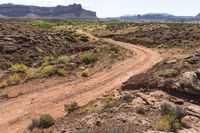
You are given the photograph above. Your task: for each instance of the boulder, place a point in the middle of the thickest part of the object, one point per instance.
(190, 82)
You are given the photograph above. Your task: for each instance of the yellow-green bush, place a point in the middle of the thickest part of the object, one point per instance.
(4, 84)
(63, 59)
(168, 73)
(163, 124)
(171, 118)
(87, 58)
(62, 72)
(48, 70)
(19, 68)
(85, 73)
(14, 78)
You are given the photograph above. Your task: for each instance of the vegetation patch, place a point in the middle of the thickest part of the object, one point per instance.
(85, 73)
(4, 84)
(127, 98)
(64, 59)
(19, 68)
(87, 58)
(71, 107)
(168, 73)
(170, 118)
(47, 24)
(47, 70)
(62, 72)
(14, 78)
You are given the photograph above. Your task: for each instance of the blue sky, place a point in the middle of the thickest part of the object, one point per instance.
(113, 8)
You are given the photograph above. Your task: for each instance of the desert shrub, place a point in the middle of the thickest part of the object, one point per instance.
(108, 104)
(85, 73)
(14, 78)
(4, 84)
(84, 38)
(71, 107)
(63, 59)
(46, 121)
(48, 70)
(171, 118)
(62, 72)
(168, 73)
(92, 108)
(87, 58)
(46, 60)
(35, 123)
(19, 68)
(163, 124)
(176, 111)
(140, 110)
(127, 98)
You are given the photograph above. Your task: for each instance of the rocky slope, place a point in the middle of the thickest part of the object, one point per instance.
(74, 11)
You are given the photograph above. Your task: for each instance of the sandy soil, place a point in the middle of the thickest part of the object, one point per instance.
(16, 113)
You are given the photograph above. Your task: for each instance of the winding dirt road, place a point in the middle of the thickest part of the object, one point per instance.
(16, 114)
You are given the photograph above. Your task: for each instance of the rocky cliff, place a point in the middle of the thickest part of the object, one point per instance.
(74, 11)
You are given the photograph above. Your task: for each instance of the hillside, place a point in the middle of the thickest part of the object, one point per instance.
(74, 11)
(151, 17)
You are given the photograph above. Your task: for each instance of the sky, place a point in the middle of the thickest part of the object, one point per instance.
(114, 8)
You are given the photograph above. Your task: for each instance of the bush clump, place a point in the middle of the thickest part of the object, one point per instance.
(64, 59)
(14, 78)
(171, 118)
(71, 107)
(84, 38)
(48, 70)
(87, 58)
(19, 68)
(85, 73)
(62, 72)
(127, 98)
(46, 121)
(4, 84)
(168, 73)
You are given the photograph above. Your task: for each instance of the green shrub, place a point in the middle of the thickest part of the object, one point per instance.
(87, 58)
(140, 110)
(127, 98)
(19, 68)
(63, 59)
(35, 123)
(48, 70)
(47, 59)
(176, 111)
(71, 107)
(171, 118)
(46, 121)
(85, 73)
(4, 84)
(62, 72)
(14, 78)
(84, 38)
(168, 73)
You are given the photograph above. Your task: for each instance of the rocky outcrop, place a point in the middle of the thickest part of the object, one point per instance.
(74, 11)
(190, 82)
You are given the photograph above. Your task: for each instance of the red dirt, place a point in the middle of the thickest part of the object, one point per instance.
(17, 113)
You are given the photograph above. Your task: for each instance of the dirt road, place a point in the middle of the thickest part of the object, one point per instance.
(16, 113)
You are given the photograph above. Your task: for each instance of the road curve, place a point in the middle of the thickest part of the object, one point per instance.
(16, 114)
